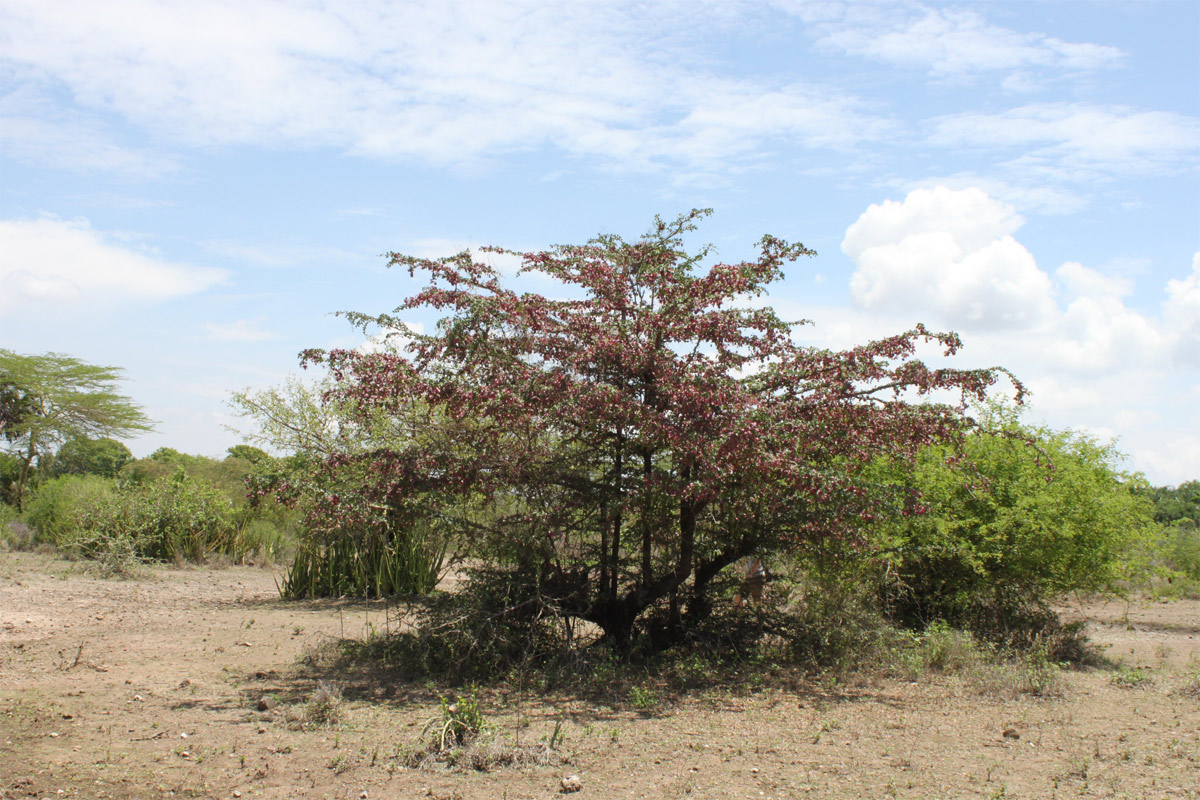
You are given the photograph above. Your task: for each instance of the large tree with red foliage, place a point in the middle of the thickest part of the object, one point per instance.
(629, 444)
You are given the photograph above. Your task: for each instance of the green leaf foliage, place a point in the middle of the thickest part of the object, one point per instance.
(104, 457)
(50, 399)
(1022, 515)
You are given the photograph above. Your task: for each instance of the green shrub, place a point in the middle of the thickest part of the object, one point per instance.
(265, 541)
(169, 519)
(459, 724)
(1020, 517)
(81, 456)
(63, 509)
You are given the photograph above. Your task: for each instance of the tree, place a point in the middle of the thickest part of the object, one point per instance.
(1176, 504)
(58, 398)
(248, 453)
(632, 443)
(103, 457)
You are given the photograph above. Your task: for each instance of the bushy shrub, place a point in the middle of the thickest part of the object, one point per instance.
(169, 519)
(63, 508)
(1021, 516)
(492, 626)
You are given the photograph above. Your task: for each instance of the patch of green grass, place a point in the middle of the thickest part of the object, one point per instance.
(1132, 678)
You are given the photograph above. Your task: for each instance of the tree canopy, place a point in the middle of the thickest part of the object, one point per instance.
(52, 398)
(632, 443)
(104, 457)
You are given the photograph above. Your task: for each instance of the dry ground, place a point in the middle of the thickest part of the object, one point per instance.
(149, 688)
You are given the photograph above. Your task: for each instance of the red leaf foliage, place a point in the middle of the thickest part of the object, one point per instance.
(655, 430)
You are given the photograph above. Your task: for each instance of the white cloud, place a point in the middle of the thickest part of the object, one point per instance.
(73, 141)
(1182, 314)
(1020, 192)
(950, 258)
(37, 131)
(951, 253)
(54, 261)
(1173, 457)
(445, 82)
(243, 330)
(1077, 141)
(948, 42)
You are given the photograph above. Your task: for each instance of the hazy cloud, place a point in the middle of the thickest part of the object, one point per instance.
(947, 42)
(242, 330)
(1074, 140)
(447, 83)
(50, 260)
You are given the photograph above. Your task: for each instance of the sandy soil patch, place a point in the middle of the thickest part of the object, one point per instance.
(152, 689)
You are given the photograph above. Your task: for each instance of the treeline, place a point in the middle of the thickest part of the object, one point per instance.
(66, 481)
(94, 500)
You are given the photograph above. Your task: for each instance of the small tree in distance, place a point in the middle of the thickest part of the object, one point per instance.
(52, 398)
(80, 456)
(632, 444)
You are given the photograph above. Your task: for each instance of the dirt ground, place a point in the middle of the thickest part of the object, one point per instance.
(150, 689)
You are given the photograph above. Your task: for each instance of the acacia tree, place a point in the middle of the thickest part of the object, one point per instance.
(52, 398)
(636, 441)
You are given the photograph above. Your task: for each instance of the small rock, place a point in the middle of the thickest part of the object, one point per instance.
(1011, 733)
(137, 698)
(185, 683)
(183, 736)
(265, 703)
(237, 793)
(53, 735)
(570, 783)
(261, 729)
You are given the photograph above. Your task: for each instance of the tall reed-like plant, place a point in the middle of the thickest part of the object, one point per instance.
(370, 561)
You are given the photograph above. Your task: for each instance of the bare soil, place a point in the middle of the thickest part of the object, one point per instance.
(151, 688)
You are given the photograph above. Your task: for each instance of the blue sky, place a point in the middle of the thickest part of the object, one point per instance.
(188, 190)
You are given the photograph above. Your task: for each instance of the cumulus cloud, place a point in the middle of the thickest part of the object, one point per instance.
(444, 82)
(950, 257)
(949, 252)
(1182, 315)
(57, 261)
